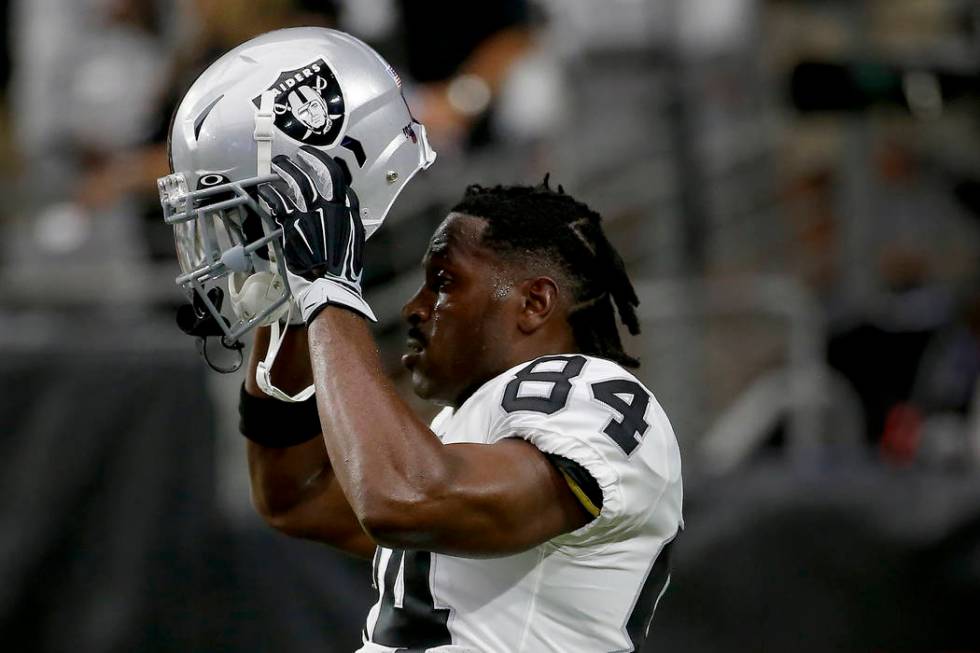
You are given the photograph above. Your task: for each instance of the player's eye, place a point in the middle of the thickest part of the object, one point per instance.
(439, 281)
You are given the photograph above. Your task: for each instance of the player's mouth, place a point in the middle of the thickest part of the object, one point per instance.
(415, 344)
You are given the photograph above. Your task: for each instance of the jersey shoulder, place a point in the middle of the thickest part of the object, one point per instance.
(574, 394)
(598, 415)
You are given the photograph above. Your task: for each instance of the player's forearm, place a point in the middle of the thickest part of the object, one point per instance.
(303, 501)
(392, 463)
(282, 478)
(291, 371)
(293, 488)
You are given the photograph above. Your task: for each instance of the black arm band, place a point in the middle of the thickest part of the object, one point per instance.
(277, 424)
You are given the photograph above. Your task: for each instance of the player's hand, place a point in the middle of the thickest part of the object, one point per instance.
(323, 236)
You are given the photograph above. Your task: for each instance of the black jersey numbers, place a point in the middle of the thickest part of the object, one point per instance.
(416, 624)
(629, 399)
(558, 383)
(543, 386)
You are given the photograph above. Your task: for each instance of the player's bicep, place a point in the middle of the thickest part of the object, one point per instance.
(504, 498)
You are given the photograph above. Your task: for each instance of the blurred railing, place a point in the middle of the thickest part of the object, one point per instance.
(792, 389)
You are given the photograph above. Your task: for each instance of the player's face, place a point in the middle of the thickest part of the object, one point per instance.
(461, 320)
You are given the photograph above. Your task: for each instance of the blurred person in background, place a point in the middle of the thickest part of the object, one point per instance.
(7, 153)
(460, 71)
(215, 27)
(922, 240)
(119, 135)
(115, 170)
(457, 56)
(130, 61)
(86, 84)
(944, 406)
(117, 68)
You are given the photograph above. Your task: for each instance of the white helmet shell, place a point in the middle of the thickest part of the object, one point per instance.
(331, 90)
(269, 96)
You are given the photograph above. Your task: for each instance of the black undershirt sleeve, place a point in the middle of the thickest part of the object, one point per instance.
(579, 479)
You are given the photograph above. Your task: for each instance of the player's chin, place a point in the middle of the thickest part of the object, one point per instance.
(421, 384)
(412, 361)
(425, 385)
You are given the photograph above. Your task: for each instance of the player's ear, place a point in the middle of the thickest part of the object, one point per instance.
(539, 301)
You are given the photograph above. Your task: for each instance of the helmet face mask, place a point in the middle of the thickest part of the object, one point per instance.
(210, 233)
(269, 96)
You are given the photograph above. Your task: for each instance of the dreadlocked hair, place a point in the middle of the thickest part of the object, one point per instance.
(548, 228)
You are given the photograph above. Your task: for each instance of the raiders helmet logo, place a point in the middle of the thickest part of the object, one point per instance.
(309, 106)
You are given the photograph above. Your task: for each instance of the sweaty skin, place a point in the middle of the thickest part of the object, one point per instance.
(472, 319)
(294, 489)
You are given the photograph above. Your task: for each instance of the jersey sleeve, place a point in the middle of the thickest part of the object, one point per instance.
(438, 422)
(597, 415)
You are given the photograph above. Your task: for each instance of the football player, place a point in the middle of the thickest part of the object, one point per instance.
(537, 511)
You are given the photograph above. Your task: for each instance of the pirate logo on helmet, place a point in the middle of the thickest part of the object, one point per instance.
(309, 105)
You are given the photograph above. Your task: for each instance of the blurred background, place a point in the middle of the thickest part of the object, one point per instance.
(794, 185)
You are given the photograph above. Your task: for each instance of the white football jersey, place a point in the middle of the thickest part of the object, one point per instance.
(591, 590)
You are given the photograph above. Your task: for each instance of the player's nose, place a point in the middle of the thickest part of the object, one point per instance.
(416, 310)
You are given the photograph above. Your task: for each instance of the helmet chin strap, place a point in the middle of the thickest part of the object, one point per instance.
(264, 128)
(264, 368)
(265, 117)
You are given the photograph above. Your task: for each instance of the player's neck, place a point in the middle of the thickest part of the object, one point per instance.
(528, 351)
(545, 344)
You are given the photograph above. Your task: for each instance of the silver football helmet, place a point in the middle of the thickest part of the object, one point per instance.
(269, 96)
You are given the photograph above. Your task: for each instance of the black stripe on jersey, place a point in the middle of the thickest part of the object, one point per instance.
(585, 481)
(374, 567)
(417, 625)
(638, 624)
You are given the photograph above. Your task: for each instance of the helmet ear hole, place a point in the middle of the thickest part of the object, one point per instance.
(211, 180)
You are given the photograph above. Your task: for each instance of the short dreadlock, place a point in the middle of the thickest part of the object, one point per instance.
(536, 223)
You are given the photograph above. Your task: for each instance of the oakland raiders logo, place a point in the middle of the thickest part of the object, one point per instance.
(309, 106)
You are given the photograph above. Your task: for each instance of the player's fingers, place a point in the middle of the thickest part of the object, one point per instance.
(327, 172)
(300, 182)
(356, 262)
(355, 208)
(274, 198)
